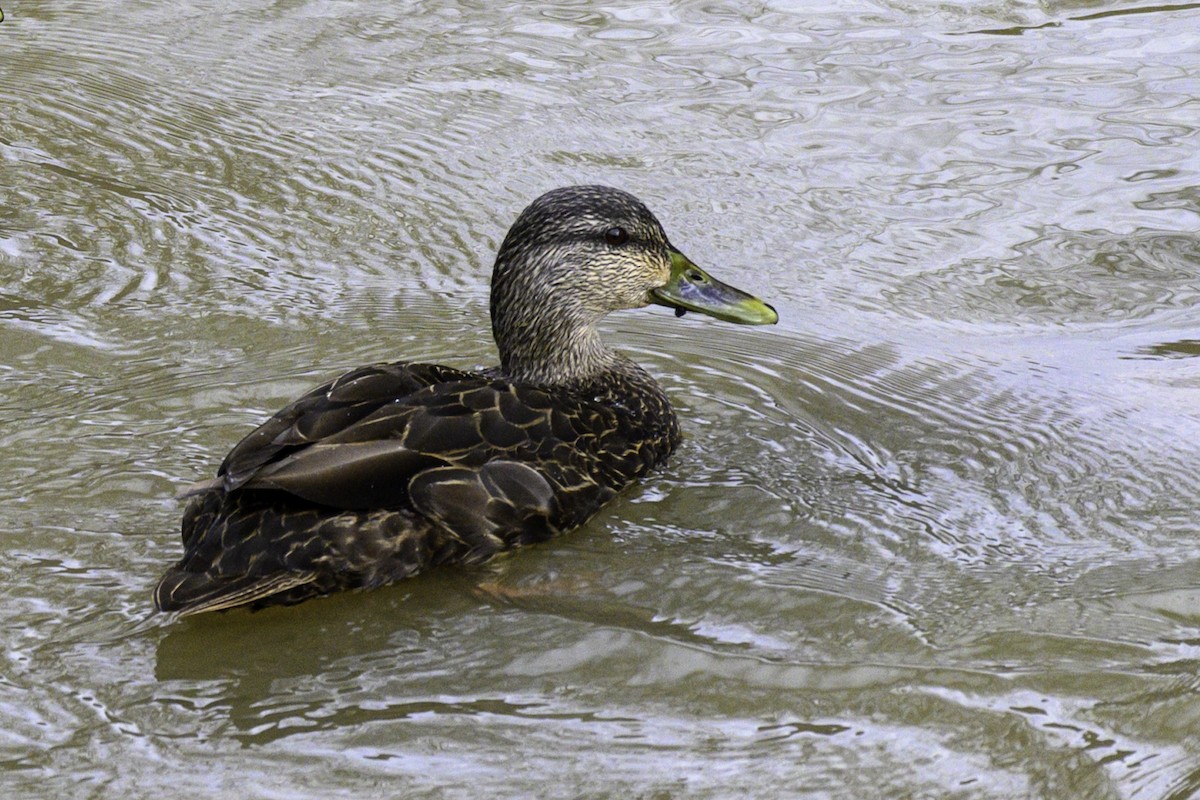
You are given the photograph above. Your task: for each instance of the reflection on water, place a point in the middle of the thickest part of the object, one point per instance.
(1187, 348)
(932, 536)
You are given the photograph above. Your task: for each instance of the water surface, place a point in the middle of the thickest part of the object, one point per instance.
(932, 536)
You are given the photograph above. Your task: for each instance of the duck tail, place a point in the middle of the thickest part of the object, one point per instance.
(190, 593)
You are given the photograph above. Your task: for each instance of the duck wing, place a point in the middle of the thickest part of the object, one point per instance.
(324, 412)
(460, 452)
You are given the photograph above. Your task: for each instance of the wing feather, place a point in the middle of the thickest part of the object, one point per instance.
(326, 411)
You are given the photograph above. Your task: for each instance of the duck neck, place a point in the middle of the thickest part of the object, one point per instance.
(544, 344)
(545, 331)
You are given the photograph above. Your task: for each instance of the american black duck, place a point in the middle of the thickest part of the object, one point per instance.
(393, 468)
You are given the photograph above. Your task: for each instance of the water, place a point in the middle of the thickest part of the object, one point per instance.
(933, 536)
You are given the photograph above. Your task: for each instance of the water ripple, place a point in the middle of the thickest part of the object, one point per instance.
(943, 514)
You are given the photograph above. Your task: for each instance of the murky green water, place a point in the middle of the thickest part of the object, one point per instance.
(936, 535)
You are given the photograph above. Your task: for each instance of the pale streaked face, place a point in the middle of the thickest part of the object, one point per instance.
(595, 248)
(578, 253)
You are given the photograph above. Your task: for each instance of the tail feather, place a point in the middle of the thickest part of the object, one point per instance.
(196, 592)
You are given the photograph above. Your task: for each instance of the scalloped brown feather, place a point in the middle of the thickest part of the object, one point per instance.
(393, 468)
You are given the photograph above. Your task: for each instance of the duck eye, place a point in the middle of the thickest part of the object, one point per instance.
(616, 236)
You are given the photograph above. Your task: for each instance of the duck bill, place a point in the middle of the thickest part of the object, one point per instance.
(692, 289)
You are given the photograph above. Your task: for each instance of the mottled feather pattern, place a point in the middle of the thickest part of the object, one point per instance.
(473, 465)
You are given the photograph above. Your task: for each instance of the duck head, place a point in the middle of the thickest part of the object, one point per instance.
(579, 253)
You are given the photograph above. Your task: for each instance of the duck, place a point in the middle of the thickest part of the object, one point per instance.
(393, 468)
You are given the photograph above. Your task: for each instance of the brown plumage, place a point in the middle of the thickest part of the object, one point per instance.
(393, 468)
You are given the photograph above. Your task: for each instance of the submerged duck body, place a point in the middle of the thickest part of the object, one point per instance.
(393, 468)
